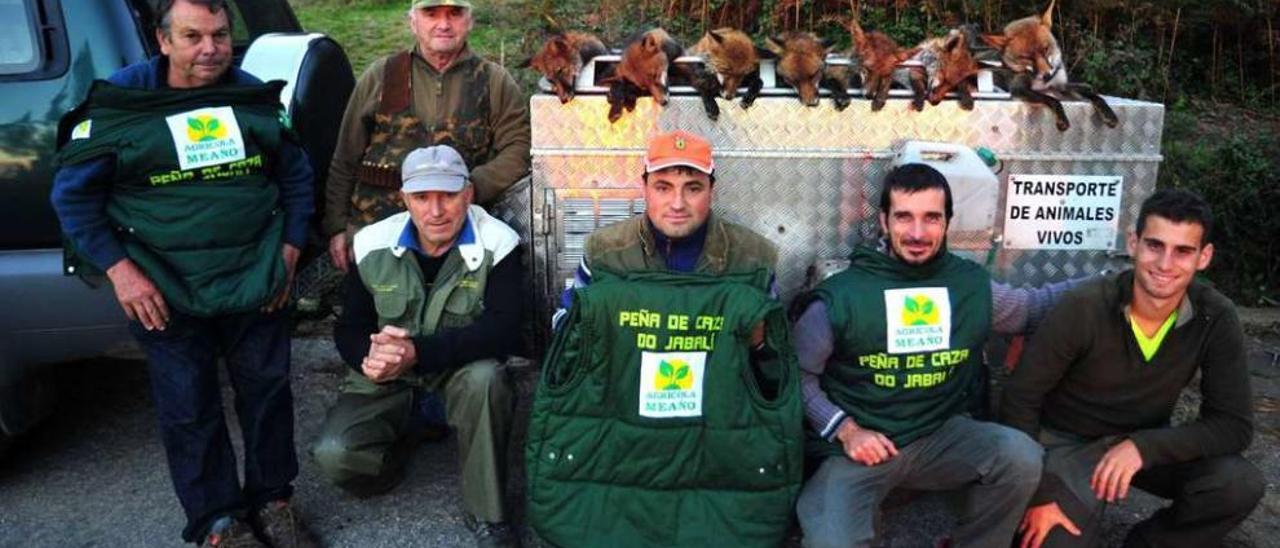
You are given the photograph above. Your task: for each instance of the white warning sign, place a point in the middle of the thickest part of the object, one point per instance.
(1062, 211)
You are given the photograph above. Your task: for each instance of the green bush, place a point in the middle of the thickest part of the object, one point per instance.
(1237, 176)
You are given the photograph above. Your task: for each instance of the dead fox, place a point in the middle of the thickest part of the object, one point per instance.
(645, 61)
(802, 63)
(735, 60)
(1031, 53)
(561, 58)
(947, 64)
(880, 57)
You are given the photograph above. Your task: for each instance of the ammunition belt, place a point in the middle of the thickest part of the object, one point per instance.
(380, 175)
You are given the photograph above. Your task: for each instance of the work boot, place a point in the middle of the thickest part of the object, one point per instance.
(490, 534)
(282, 528)
(229, 532)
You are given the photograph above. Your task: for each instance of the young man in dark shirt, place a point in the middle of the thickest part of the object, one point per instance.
(1099, 381)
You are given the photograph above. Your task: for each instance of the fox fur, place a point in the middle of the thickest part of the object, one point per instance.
(880, 57)
(948, 65)
(645, 61)
(561, 59)
(1039, 73)
(802, 63)
(736, 62)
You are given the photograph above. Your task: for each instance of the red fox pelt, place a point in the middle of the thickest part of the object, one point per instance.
(735, 61)
(802, 63)
(947, 65)
(561, 59)
(644, 64)
(1039, 74)
(879, 56)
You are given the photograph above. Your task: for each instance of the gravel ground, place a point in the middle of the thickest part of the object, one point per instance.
(94, 473)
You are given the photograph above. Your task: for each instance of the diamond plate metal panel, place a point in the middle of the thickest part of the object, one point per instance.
(781, 124)
(809, 178)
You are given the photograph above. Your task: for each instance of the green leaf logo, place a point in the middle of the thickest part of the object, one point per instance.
(673, 375)
(919, 310)
(205, 128)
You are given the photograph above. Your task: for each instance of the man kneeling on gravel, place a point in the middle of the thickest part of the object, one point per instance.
(1098, 385)
(432, 308)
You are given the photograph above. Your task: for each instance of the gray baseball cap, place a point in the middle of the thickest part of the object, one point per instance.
(439, 168)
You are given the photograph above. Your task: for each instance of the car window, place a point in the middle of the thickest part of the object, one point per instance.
(19, 49)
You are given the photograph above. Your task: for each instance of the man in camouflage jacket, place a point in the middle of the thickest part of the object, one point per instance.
(438, 93)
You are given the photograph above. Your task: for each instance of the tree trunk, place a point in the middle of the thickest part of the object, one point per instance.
(1173, 42)
(1240, 63)
(1213, 65)
(1271, 58)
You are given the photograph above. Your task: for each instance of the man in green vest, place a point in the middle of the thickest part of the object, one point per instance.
(440, 92)
(432, 308)
(1100, 379)
(685, 429)
(677, 231)
(891, 356)
(180, 178)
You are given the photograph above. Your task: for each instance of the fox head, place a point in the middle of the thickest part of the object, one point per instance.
(802, 59)
(955, 63)
(560, 63)
(1027, 45)
(878, 53)
(731, 53)
(645, 61)
(729, 50)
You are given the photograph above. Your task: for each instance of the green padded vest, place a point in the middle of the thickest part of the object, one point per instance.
(648, 426)
(908, 342)
(191, 201)
(400, 296)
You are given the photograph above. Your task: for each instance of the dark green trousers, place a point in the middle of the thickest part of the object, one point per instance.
(364, 443)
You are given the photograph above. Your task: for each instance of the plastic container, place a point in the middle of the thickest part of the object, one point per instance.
(975, 189)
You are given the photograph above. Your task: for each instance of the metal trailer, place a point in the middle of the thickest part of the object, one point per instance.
(809, 178)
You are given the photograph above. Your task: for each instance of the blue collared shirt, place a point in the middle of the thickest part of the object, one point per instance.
(409, 237)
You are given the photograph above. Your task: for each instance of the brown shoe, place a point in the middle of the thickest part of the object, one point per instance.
(282, 528)
(229, 532)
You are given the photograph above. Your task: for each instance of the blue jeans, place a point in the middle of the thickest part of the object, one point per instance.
(184, 382)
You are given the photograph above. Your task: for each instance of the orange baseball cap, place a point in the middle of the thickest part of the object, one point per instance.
(678, 148)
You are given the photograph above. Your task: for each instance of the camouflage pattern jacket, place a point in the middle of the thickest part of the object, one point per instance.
(438, 101)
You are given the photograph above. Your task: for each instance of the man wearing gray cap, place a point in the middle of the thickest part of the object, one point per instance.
(433, 305)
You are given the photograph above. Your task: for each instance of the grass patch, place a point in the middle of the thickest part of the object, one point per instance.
(366, 32)
(371, 30)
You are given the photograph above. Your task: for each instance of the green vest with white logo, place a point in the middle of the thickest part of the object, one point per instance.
(190, 200)
(649, 427)
(908, 342)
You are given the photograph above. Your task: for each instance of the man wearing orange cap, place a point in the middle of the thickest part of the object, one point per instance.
(671, 383)
(677, 231)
